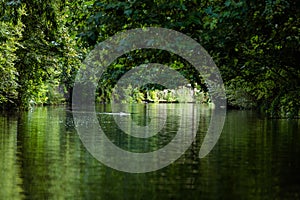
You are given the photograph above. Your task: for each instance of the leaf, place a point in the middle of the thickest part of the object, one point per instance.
(89, 3)
(209, 10)
(128, 12)
(228, 3)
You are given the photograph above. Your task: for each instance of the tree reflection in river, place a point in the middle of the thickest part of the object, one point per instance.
(42, 157)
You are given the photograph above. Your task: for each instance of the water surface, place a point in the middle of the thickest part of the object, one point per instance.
(42, 157)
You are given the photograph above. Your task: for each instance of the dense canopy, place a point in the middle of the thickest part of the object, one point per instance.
(254, 44)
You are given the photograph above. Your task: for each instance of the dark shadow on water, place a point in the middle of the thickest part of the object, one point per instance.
(42, 157)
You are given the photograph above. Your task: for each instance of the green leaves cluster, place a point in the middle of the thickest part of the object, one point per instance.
(10, 35)
(254, 44)
(38, 54)
(257, 55)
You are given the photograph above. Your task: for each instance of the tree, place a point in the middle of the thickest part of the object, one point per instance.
(46, 57)
(10, 35)
(257, 53)
(254, 44)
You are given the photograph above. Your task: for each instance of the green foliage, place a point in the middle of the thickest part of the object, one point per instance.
(255, 45)
(181, 94)
(10, 35)
(129, 95)
(153, 96)
(38, 53)
(184, 95)
(46, 53)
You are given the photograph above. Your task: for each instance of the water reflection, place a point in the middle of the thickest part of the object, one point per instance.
(42, 157)
(10, 180)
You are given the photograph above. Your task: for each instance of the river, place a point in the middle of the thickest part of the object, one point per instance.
(42, 157)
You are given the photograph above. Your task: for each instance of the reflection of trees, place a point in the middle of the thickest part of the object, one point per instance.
(42, 157)
(252, 159)
(10, 182)
(49, 166)
(141, 117)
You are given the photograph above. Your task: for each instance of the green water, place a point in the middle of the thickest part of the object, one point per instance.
(42, 157)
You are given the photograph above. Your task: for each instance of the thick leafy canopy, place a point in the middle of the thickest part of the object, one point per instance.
(254, 44)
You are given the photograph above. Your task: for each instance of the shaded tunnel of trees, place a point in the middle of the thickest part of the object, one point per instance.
(255, 44)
